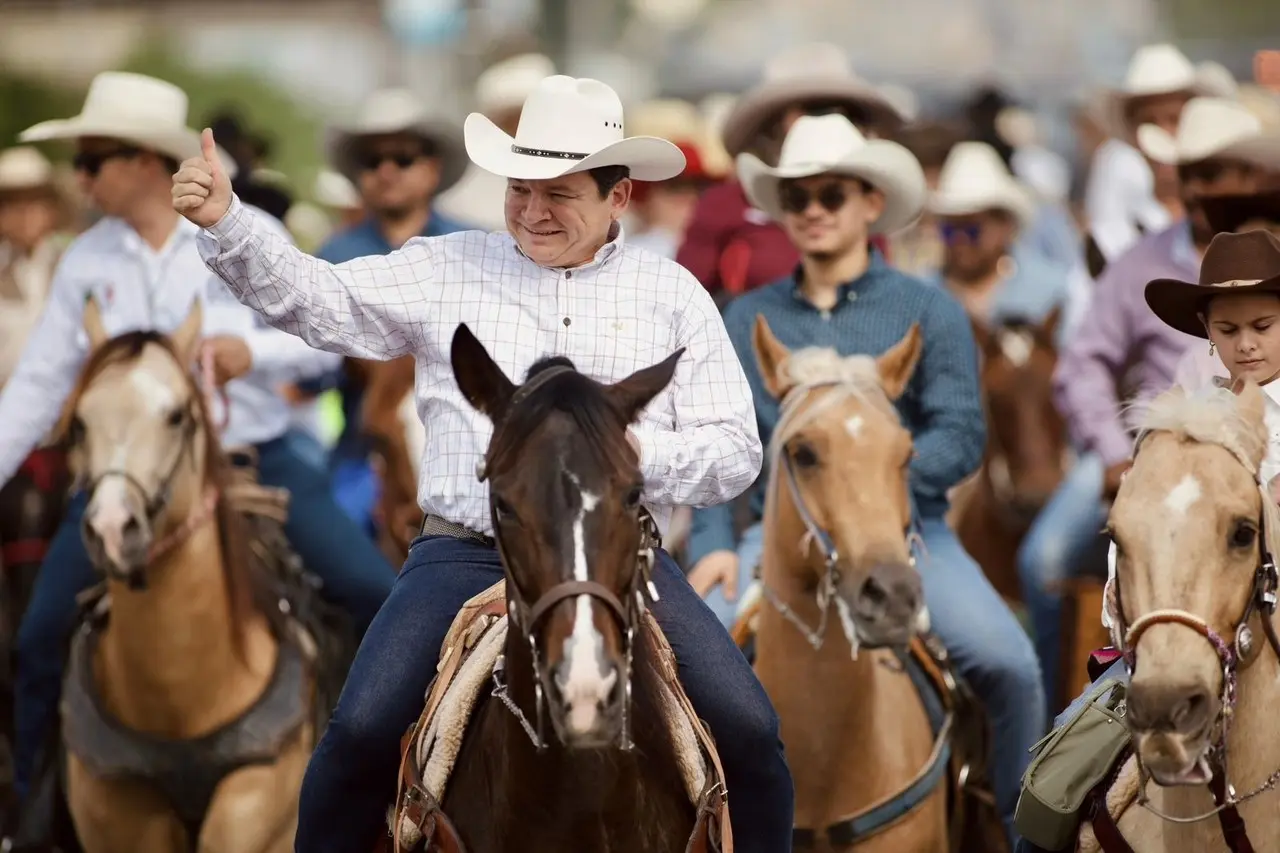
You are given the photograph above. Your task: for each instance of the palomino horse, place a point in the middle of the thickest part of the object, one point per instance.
(389, 419)
(187, 710)
(870, 729)
(1027, 448)
(565, 493)
(1192, 606)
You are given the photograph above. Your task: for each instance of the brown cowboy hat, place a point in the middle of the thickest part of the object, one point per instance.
(1229, 212)
(1234, 263)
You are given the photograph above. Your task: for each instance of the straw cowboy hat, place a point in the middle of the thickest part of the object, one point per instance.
(810, 72)
(505, 85)
(680, 122)
(818, 145)
(24, 168)
(132, 108)
(388, 111)
(1157, 69)
(568, 125)
(974, 179)
(1212, 127)
(1233, 263)
(1231, 212)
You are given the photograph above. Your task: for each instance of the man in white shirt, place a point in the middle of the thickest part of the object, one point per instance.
(563, 281)
(140, 263)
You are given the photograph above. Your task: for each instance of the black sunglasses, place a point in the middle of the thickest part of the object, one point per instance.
(796, 199)
(373, 160)
(951, 231)
(91, 162)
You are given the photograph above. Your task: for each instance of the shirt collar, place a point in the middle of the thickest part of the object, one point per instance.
(847, 292)
(185, 230)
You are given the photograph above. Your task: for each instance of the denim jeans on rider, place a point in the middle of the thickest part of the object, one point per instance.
(1063, 532)
(992, 653)
(352, 776)
(356, 576)
(750, 547)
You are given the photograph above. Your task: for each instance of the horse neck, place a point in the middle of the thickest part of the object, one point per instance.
(168, 662)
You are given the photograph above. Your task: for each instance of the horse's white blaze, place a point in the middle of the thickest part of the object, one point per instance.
(108, 512)
(853, 426)
(586, 687)
(158, 397)
(1183, 495)
(1017, 347)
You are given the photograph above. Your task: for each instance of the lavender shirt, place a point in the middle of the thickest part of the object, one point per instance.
(1119, 333)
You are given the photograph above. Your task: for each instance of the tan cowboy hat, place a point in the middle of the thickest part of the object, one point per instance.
(397, 111)
(25, 168)
(809, 72)
(1230, 212)
(682, 123)
(818, 145)
(132, 108)
(1212, 127)
(504, 85)
(568, 125)
(974, 179)
(1233, 263)
(1157, 69)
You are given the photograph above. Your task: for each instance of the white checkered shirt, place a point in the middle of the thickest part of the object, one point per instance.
(626, 310)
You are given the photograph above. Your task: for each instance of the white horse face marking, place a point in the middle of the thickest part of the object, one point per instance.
(1180, 500)
(589, 678)
(1017, 347)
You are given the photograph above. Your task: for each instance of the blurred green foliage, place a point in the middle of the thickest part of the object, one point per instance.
(292, 131)
(1215, 19)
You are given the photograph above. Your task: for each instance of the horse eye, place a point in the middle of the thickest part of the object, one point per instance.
(503, 509)
(75, 431)
(633, 497)
(804, 456)
(1243, 535)
(176, 417)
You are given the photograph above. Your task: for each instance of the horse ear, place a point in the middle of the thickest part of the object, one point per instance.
(187, 336)
(772, 357)
(632, 394)
(479, 377)
(93, 326)
(898, 364)
(1049, 325)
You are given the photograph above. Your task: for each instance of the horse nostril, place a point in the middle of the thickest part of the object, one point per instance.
(1183, 708)
(873, 594)
(1192, 712)
(132, 527)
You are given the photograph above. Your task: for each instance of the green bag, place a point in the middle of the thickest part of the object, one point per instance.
(1070, 762)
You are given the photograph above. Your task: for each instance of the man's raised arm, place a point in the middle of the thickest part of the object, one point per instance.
(367, 308)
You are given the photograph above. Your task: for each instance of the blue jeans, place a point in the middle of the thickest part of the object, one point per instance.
(352, 776)
(355, 574)
(308, 448)
(750, 547)
(1061, 535)
(992, 653)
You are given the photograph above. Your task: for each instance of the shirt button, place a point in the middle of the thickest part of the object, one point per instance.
(568, 274)
(567, 321)
(852, 297)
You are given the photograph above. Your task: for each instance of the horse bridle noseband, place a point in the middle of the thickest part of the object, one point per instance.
(628, 610)
(1262, 603)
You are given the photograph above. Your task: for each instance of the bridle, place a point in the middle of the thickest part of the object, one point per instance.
(1231, 656)
(816, 534)
(627, 610)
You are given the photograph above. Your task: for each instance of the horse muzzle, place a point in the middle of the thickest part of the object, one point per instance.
(1172, 726)
(118, 541)
(586, 701)
(885, 608)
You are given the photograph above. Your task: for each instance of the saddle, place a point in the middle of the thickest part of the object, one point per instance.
(959, 758)
(472, 649)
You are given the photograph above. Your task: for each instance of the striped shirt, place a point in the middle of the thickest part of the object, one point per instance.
(625, 310)
(941, 406)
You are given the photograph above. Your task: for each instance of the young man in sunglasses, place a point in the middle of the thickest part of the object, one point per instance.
(400, 159)
(844, 295)
(141, 265)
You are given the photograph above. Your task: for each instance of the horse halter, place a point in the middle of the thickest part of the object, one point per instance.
(1231, 656)
(815, 533)
(628, 611)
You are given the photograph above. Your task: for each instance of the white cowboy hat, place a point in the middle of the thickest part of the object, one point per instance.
(505, 85)
(830, 144)
(389, 111)
(808, 72)
(568, 125)
(1212, 127)
(133, 108)
(974, 179)
(333, 189)
(1157, 69)
(24, 168)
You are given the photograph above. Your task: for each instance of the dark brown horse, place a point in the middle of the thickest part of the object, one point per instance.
(390, 422)
(578, 755)
(1027, 447)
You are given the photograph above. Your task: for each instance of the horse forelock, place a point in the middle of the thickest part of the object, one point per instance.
(1208, 416)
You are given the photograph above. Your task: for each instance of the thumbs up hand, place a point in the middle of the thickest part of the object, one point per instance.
(201, 188)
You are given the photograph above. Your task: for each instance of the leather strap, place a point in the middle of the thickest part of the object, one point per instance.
(1233, 829)
(1104, 826)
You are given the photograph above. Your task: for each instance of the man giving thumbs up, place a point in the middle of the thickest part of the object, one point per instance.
(201, 187)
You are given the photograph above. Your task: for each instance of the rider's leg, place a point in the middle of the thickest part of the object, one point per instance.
(1061, 535)
(352, 776)
(749, 549)
(992, 653)
(725, 692)
(356, 575)
(42, 640)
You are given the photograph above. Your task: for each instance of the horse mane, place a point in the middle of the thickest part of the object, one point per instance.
(570, 393)
(805, 369)
(1211, 415)
(247, 591)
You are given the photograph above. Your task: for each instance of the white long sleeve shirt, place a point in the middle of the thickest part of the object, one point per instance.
(1121, 194)
(625, 310)
(138, 288)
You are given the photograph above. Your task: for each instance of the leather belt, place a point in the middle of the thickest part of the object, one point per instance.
(434, 525)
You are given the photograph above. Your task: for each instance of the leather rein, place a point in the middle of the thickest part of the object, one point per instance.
(1232, 657)
(627, 610)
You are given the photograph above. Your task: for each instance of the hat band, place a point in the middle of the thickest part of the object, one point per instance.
(1238, 282)
(541, 152)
